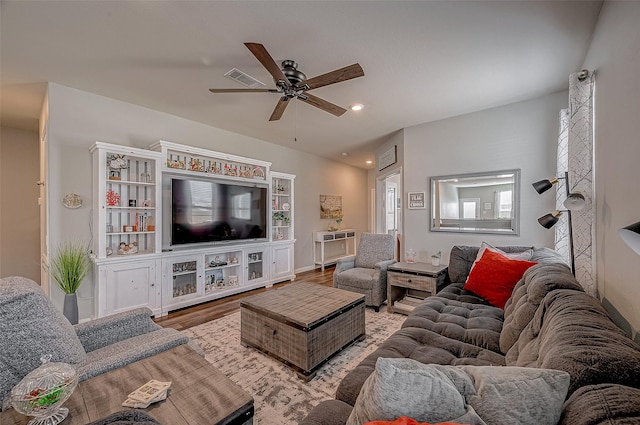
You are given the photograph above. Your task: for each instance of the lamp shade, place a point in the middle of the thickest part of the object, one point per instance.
(549, 220)
(631, 235)
(575, 202)
(544, 185)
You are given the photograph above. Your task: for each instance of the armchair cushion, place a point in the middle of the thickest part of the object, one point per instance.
(117, 327)
(30, 327)
(360, 277)
(374, 248)
(135, 348)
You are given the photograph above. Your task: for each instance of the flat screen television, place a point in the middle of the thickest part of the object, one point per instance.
(210, 211)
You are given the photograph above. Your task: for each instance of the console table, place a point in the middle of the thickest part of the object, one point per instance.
(409, 283)
(199, 393)
(339, 244)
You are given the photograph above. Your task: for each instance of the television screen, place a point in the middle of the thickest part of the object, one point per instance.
(210, 211)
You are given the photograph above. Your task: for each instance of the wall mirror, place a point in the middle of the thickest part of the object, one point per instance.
(476, 203)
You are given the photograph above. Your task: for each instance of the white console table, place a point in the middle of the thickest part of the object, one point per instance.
(323, 240)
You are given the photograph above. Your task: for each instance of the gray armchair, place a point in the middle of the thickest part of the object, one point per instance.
(30, 327)
(366, 272)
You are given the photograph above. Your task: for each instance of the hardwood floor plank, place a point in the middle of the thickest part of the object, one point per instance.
(205, 312)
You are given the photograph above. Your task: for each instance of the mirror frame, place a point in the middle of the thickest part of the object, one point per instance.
(515, 230)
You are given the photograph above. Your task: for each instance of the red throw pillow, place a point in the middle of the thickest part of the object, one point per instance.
(494, 276)
(405, 420)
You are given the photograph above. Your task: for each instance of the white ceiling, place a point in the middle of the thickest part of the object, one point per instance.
(423, 60)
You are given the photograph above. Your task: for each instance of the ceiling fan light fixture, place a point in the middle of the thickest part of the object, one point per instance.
(356, 107)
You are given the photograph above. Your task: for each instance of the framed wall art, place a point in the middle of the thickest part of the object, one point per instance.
(330, 206)
(416, 200)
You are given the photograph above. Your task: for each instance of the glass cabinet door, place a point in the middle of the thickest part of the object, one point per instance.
(184, 278)
(256, 261)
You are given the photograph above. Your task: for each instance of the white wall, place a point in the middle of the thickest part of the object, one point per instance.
(77, 119)
(614, 56)
(521, 135)
(19, 212)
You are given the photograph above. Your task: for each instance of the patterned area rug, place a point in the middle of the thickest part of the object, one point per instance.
(280, 397)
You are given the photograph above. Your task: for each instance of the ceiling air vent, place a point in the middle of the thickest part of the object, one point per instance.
(244, 79)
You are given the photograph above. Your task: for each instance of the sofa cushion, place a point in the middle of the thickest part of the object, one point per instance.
(523, 255)
(535, 284)
(462, 257)
(466, 394)
(495, 276)
(30, 327)
(476, 324)
(604, 404)
(418, 344)
(571, 331)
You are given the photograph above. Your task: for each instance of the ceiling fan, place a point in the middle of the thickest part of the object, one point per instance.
(292, 83)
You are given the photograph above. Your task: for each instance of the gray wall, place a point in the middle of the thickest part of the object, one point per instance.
(521, 135)
(613, 55)
(77, 119)
(19, 211)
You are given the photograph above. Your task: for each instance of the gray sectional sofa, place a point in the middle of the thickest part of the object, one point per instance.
(549, 322)
(30, 327)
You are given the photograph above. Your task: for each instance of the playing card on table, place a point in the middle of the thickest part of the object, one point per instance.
(149, 391)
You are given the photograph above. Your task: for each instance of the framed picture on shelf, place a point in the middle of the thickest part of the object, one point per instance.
(416, 200)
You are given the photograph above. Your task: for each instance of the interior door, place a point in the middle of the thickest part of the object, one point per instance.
(42, 202)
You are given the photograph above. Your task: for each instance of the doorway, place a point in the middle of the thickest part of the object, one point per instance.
(389, 207)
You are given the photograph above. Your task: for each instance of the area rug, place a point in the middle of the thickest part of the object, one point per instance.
(280, 397)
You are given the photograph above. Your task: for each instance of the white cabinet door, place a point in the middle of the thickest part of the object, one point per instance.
(282, 262)
(125, 286)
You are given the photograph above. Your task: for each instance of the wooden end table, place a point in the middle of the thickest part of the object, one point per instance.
(199, 393)
(410, 283)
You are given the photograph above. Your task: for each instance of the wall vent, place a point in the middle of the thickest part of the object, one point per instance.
(244, 79)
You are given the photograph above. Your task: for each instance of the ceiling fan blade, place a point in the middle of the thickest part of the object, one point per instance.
(267, 61)
(337, 76)
(279, 109)
(323, 104)
(243, 90)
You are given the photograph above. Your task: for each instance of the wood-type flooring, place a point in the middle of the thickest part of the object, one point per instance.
(205, 312)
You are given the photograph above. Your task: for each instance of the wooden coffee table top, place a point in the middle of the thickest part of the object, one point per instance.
(304, 304)
(199, 393)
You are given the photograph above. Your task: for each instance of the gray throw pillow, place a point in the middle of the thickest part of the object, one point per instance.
(493, 395)
(31, 327)
(405, 387)
(518, 395)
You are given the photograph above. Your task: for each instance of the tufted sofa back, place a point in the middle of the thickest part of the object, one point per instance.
(571, 331)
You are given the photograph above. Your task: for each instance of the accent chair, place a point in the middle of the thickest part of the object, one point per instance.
(366, 272)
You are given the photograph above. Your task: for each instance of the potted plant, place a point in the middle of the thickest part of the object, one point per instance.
(69, 267)
(435, 258)
(279, 188)
(339, 221)
(278, 218)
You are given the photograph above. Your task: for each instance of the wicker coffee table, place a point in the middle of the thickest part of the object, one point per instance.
(302, 324)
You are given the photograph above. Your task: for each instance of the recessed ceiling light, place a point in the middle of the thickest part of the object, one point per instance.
(356, 107)
(344, 154)
(369, 162)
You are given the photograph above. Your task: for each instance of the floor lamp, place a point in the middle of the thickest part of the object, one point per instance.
(573, 202)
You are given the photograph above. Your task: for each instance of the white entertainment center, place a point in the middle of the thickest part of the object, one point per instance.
(139, 260)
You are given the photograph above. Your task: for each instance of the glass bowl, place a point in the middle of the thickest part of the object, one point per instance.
(43, 391)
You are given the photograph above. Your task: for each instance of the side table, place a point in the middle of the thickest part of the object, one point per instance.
(410, 283)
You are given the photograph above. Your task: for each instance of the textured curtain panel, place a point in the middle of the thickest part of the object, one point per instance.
(580, 167)
(562, 228)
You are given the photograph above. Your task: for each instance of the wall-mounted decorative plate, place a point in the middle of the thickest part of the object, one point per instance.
(286, 206)
(72, 201)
